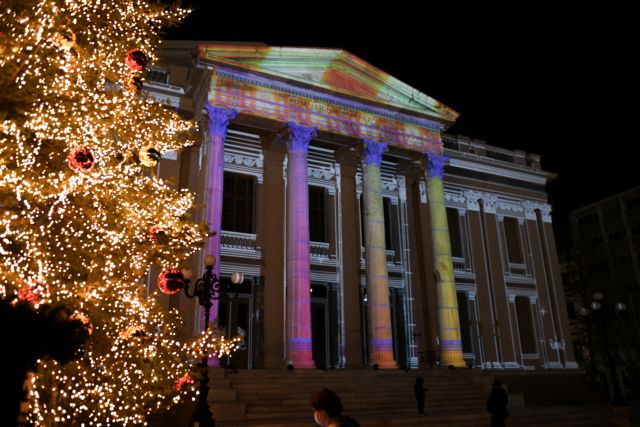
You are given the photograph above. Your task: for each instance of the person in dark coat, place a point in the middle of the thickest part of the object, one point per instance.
(420, 391)
(327, 410)
(497, 405)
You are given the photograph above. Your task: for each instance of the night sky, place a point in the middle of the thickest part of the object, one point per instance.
(562, 83)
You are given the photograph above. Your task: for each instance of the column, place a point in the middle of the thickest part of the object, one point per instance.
(449, 321)
(299, 354)
(219, 119)
(378, 308)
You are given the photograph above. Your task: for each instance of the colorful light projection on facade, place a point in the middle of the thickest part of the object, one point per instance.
(330, 90)
(448, 317)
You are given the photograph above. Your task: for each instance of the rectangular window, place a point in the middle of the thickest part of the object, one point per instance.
(317, 219)
(512, 235)
(386, 206)
(237, 203)
(525, 325)
(453, 220)
(465, 322)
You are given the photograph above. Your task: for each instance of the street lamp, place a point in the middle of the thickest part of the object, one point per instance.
(207, 289)
(603, 313)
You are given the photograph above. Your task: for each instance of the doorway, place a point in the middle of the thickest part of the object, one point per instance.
(319, 326)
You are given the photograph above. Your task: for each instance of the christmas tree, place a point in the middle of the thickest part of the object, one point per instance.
(82, 215)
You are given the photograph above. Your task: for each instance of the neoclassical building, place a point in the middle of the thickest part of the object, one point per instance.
(365, 233)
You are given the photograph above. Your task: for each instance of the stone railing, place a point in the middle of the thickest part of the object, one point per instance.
(458, 264)
(517, 270)
(239, 242)
(319, 250)
(480, 149)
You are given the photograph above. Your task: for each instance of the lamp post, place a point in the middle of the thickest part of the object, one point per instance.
(602, 312)
(207, 289)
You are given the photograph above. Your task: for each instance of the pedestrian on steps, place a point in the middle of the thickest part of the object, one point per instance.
(327, 410)
(497, 405)
(420, 391)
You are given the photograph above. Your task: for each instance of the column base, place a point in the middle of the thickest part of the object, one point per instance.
(383, 361)
(453, 359)
(299, 354)
(302, 364)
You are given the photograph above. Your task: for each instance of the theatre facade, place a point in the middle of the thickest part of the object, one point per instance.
(366, 235)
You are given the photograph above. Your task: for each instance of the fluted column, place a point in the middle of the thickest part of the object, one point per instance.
(378, 306)
(449, 320)
(219, 119)
(299, 354)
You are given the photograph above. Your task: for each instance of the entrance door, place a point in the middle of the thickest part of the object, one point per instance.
(236, 313)
(319, 326)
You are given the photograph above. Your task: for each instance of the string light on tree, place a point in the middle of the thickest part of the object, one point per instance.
(81, 221)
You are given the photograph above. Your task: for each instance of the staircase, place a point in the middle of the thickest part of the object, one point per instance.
(271, 398)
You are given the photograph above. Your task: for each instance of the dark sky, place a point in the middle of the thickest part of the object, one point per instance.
(561, 83)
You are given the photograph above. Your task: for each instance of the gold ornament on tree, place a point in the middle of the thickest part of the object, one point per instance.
(149, 156)
(65, 39)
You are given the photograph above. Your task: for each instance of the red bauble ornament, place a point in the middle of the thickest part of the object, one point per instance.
(171, 281)
(80, 159)
(182, 381)
(136, 59)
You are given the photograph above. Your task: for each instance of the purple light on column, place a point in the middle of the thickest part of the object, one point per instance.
(373, 152)
(219, 119)
(435, 165)
(299, 353)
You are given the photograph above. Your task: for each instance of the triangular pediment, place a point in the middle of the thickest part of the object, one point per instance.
(335, 70)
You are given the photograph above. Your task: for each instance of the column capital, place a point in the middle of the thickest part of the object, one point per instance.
(219, 119)
(297, 137)
(373, 151)
(435, 165)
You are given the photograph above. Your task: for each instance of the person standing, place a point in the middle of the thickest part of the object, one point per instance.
(327, 410)
(497, 405)
(420, 391)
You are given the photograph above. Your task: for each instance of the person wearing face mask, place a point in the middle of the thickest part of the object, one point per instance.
(327, 410)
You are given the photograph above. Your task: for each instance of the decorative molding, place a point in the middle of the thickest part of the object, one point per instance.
(402, 188)
(390, 185)
(500, 206)
(454, 199)
(507, 207)
(244, 160)
(423, 191)
(219, 119)
(472, 198)
(490, 203)
(228, 268)
(297, 137)
(553, 365)
(373, 151)
(556, 344)
(511, 365)
(435, 165)
(498, 171)
(321, 173)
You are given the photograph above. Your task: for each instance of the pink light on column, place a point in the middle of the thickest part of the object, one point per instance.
(299, 353)
(219, 119)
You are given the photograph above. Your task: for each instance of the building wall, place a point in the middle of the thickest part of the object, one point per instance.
(483, 184)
